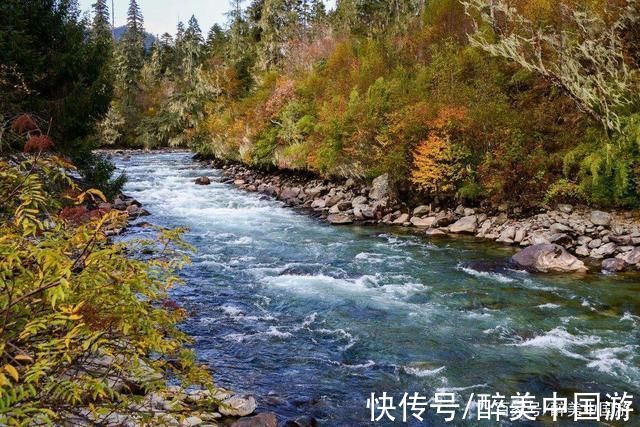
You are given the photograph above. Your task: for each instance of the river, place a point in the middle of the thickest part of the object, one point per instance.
(312, 318)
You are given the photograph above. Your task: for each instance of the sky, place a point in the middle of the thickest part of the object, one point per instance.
(161, 16)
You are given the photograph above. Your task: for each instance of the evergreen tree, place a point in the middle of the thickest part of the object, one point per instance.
(280, 22)
(192, 47)
(101, 29)
(135, 21)
(216, 40)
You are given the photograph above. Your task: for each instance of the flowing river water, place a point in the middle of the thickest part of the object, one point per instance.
(312, 318)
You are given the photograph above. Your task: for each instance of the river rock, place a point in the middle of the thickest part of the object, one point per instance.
(468, 224)
(444, 218)
(237, 406)
(359, 200)
(633, 257)
(422, 222)
(603, 251)
(402, 219)
(380, 188)
(507, 235)
(344, 205)
(613, 265)
(340, 219)
(559, 228)
(601, 218)
(564, 208)
(422, 210)
(548, 258)
(191, 421)
(266, 419)
(203, 180)
(583, 251)
(318, 204)
(290, 194)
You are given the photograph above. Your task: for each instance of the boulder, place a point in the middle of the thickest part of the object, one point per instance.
(468, 224)
(521, 234)
(435, 232)
(422, 222)
(318, 204)
(604, 251)
(564, 208)
(601, 218)
(422, 210)
(583, 251)
(444, 218)
(203, 180)
(344, 205)
(290, 194)
(613, 265)
(402, 219)
(380, 188)
(266, 419)
(340, 219)
(507, 235)
(548, 258)
(594, 243)
(360, 200)
(191, 421)
(559, 228)
(237, 406)
(633, 257)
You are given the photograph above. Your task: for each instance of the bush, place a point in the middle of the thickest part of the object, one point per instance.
(70, 297)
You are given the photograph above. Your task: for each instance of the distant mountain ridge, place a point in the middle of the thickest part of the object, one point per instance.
(149, 39)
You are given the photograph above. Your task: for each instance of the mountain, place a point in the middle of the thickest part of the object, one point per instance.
(149, 39)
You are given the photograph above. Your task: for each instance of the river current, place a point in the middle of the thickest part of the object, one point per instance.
(312, 318)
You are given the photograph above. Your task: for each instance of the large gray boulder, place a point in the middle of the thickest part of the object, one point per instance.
(238, 406)
(547, 258)
(633, 257)
(600, 218)
(468, 224)
(380, 188)
(422, 222)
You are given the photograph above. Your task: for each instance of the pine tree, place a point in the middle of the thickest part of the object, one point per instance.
(135, 21)
(280, 22)
(192, 47)
(216, 40)
(130, 55)
(101, 29)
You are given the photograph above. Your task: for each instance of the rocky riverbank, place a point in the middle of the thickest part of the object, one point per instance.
(564, 239)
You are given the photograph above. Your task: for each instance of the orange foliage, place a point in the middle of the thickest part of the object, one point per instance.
(80, 214)
(24, 124)
(433, 160)
(39, 143)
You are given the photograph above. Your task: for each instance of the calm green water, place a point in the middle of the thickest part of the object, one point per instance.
(313, 318)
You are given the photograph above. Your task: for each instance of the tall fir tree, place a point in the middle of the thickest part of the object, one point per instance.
(101, 28)
(280, 22)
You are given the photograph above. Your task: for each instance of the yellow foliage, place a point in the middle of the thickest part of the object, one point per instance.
(432, 165)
